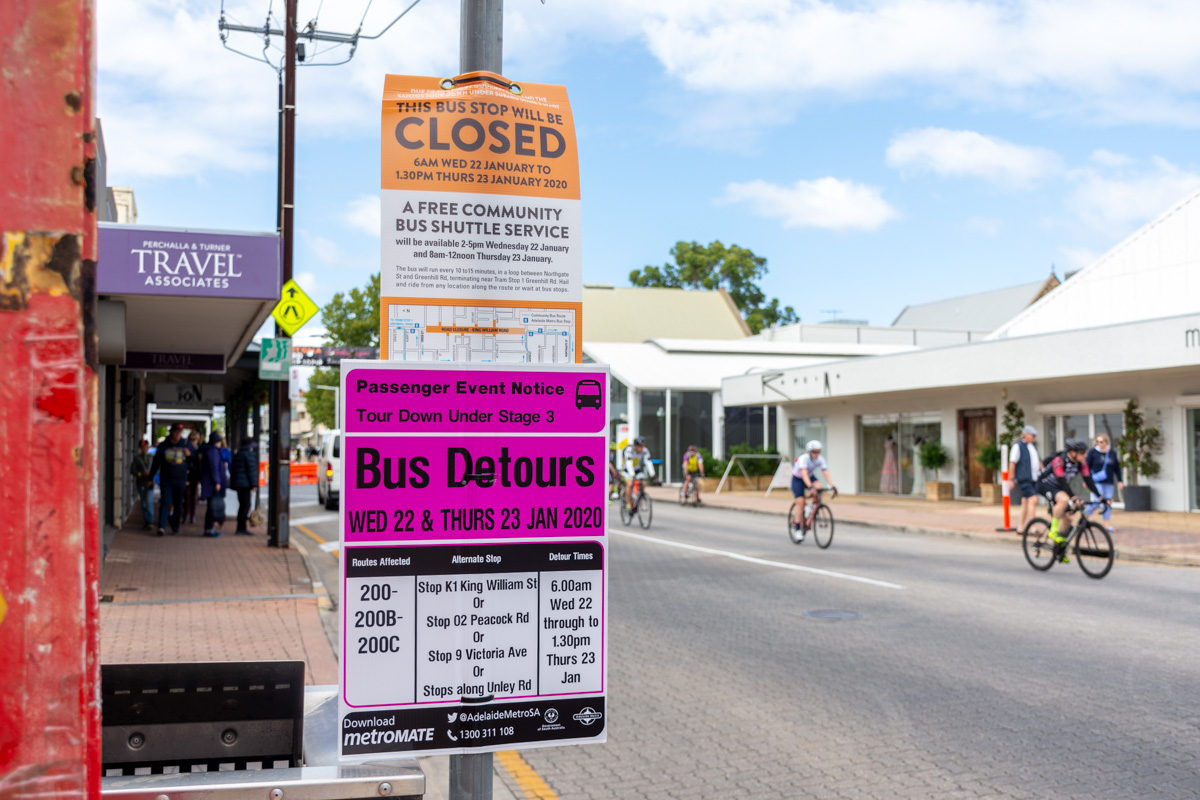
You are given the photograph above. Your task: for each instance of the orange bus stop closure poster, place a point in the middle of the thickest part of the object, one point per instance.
(481, 256)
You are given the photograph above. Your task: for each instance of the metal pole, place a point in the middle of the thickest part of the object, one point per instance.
(481, 40)
(278, 482)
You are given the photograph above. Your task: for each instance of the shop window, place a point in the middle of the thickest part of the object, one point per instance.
(804, 430)
(618, 407)
(691, 423)
(1194, 460)
(889, 451)
(652, 425)
(745, 425)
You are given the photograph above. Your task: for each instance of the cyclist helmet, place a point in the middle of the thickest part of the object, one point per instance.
(640, 440)
(1077, 445)
(813, 445)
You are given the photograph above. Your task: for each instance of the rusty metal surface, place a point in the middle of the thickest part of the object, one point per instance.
(49, 529)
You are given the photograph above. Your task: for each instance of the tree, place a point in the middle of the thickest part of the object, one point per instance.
(1014, 421)
(1138, 444)
(319, 402)
(715, 266)
(352, 320)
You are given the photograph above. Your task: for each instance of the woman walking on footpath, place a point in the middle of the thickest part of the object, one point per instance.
(213, 482)
(1105, 467)
(242, 477)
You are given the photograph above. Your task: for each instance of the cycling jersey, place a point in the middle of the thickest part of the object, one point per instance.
(1056, 475)
(693, 462)
(633, 462)
(811, 464)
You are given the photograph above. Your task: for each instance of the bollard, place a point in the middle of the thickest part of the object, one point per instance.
(1005, 491)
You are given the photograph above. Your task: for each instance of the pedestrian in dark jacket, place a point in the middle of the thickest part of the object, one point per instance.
(171, 464)
(242, 477)
(193, 478)
(213, 481)
(1105, 467)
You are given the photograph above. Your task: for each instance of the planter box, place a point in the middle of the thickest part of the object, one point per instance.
(991, 494)
(1137, 498)
(937, 491)
(709, 485)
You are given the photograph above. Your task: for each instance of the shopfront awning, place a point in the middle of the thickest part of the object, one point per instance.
(193, 299)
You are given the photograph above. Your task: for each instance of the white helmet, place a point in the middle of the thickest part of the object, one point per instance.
(813, 445)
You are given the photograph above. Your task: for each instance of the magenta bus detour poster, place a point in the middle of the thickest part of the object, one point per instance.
(474, 556)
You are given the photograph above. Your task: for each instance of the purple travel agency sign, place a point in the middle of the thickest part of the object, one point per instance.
(165, 261)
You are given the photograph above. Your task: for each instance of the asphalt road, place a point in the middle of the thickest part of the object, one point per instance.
(968, 675)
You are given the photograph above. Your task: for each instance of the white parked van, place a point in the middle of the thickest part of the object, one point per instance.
(329, 470)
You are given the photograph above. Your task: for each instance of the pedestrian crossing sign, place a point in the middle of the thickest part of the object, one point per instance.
(294, 308)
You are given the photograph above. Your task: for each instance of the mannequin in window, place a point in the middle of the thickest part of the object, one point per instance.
(889, 475)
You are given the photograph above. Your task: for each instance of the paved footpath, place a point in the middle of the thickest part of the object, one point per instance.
(1163, 536)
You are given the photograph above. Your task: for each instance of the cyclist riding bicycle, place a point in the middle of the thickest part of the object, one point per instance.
(693, 470)
(1053, 483)
(806, 480)
(635, 463)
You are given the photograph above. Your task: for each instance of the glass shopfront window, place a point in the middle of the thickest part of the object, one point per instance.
(888, 455)
(652, 425)
(691, 423)
(1193, 415)
(618, 407)
(804, 430)
(1058, 429)
(744, 425)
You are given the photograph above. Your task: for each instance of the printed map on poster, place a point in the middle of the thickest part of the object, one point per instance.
(481, 334)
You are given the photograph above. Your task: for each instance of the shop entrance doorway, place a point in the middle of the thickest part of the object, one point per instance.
(977, 427)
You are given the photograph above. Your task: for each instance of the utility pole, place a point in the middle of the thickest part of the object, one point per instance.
(481, 47)
(279, 406)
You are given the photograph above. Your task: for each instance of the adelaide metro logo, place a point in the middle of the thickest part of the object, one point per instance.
(587, 716)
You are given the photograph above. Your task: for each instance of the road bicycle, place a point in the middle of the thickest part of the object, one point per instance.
(818, 519)
(643, 507)
(1091, 544)
(692, 492)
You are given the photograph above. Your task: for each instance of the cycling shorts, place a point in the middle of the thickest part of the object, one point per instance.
(798, 487)
(1050, 490)
(693, 473)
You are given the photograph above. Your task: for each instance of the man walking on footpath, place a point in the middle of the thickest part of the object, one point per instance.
(242, 477)
(1023, 465)
(140, 470)
(171, 464)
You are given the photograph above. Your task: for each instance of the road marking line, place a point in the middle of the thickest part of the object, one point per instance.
(328, 547)
(315, 520)
(753, 560)
(525, 776)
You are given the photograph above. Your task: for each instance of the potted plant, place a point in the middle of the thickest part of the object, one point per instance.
(1137, 446)
(989, 456)
(933, 456)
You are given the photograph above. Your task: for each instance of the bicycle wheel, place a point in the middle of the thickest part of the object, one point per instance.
(626, 514)
(1039, 548)
(794, 534)
(1094, 550)
(823, 527)
(645, 510)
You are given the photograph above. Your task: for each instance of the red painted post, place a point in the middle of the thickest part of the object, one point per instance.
(49, 529)
(1006, 490)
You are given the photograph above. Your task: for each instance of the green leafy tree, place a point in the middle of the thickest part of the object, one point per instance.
(1014, 421)
(352, 319)
(715, 266)
(319, 402)
(1138, 445)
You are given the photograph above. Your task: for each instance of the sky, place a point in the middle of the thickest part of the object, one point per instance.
(878, 153)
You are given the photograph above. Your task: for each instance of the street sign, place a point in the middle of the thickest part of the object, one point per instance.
(188, 395)
(294, 308)
(481, 253)
(295, 388)
(275, 359)
(474, 558)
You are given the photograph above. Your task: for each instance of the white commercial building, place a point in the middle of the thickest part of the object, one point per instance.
(1126, 327)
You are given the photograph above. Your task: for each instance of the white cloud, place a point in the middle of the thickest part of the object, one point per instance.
(970, 154)
(985, 226)
(1100, 58)
(823, 203)
(1076, 258)
(1108, 158)
(322, 249)
(363, 213)
(1121, 202)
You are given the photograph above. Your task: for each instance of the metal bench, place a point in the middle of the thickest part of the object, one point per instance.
(231, 730)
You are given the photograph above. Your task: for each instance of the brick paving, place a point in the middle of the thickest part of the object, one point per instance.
(1144, 536)
(188, 598)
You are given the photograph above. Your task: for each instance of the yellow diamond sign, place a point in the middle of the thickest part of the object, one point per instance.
(294, 309)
